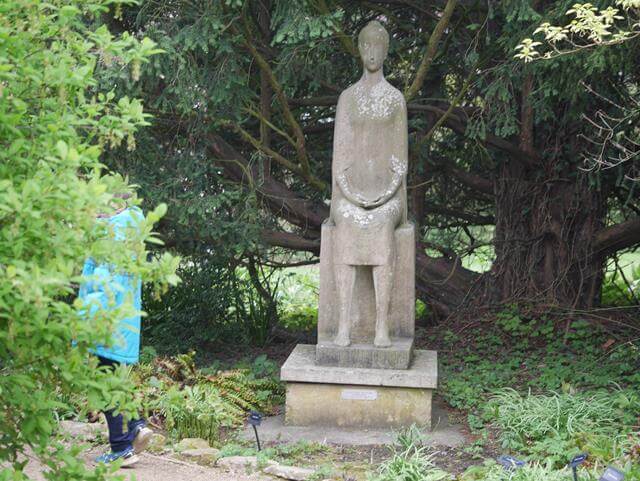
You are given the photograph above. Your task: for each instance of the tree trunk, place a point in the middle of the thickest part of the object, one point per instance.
(545, 240)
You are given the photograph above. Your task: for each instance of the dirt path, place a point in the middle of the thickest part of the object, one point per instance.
(162, 468)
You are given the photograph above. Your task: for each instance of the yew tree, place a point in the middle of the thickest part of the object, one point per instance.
(244, 101)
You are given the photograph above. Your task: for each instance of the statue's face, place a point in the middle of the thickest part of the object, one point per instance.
(373, 50)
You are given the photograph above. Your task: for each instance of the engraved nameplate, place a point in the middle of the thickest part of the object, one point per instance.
(359, 394)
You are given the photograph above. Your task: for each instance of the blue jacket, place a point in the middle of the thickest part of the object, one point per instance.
(104, 282)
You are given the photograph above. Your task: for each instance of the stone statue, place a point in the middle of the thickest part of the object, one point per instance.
(369, 199)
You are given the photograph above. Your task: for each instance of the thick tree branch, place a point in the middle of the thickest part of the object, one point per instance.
(618, 237)
(278, 198)
(454, 120)
(430, 52)
(471, 180)
(264, 66)
(458, 125)
(313, 181)
(290, 241)
(459, 214)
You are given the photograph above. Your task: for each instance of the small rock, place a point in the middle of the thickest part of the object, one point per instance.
(289, 472)
(238, 463)
(203, 456)
(157, 443)
(81, 431)
(192, 443)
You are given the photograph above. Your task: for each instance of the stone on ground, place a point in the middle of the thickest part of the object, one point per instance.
(289, 472)
(192, 443)
(82, 431)
(202, 456)
(157, 445)
(238, 463)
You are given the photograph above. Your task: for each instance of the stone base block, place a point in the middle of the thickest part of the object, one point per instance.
(358, 397)
(357, 406)
(397, 356)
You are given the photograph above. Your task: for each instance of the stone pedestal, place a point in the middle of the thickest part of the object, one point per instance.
(358, 397)
(397, 356)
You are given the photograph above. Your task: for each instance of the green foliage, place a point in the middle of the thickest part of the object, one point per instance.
(621, 290)
(529, 472)
(193, 403)
(409, 461)
(287, 453)
(298, 298)
(552, 426)
(523, 353)
(590, 26)
(54, 124)
(214, 304)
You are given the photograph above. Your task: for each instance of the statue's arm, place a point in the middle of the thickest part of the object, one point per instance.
(399, 161)
(341, 140)
(352, 197)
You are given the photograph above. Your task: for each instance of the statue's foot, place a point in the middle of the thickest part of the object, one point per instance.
(342, 340)
(382, 341)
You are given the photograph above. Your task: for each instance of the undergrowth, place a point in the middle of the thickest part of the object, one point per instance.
(195, 403)
(545, 390)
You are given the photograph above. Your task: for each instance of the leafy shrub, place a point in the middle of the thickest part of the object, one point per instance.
(528, 472)
(409, 461)
(192, 403)
(556, 425)
(621, 291)
(298, 298)
(215, 303)
(55, 123)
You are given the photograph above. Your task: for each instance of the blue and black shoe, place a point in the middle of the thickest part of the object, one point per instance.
(128, 457)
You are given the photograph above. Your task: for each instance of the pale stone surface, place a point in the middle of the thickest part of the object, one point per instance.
(192, 443)
(157, 445)
(82, 431)
(357, 406)
(447, 431)
(363, 309)
(363, 263)
(396, 356)
(301, 367)
(238, 463)
(204, 456)
(289, 472)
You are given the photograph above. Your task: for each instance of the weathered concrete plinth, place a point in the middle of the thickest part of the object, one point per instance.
(396, 356)
(358, 397)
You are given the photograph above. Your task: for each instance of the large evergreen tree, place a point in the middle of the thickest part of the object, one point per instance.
(244, 100)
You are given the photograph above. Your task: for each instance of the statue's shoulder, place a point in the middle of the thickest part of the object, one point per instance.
(348, 93)
(393, 93)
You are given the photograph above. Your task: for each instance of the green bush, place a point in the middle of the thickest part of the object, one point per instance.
(214, 304)
(409, 461)
(55, 121)
(198, 403)
(529, 472)
(557, 426)
(622, 291)
(298, 298)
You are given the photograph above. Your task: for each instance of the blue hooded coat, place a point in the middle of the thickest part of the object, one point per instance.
(105, 283)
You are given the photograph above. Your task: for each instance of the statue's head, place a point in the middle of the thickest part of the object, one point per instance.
(373, 44)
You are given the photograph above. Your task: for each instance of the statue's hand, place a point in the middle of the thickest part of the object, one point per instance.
(373, 203)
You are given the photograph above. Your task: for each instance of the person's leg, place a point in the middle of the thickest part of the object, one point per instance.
(119, 439)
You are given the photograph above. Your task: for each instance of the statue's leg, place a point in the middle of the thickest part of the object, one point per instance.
(345, 282)
(383, 282)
